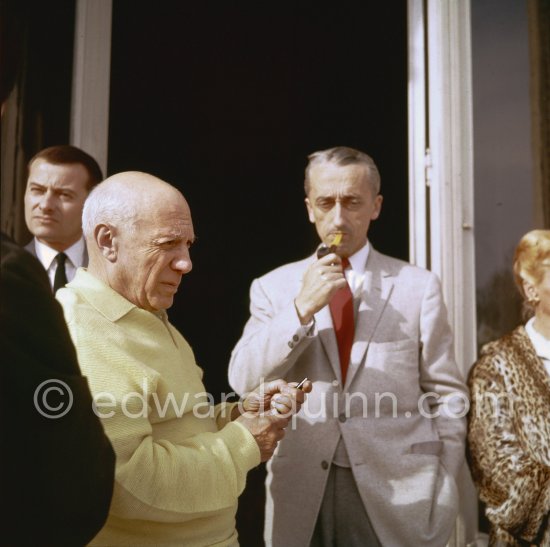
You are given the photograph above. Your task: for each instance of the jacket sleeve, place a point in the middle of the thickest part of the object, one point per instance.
(58, 469)
(511, 484)
(272, 341)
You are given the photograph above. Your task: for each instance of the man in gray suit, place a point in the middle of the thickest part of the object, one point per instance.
(377, 449)
(60, 179)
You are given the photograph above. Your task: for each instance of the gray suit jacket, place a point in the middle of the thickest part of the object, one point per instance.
(400, 412)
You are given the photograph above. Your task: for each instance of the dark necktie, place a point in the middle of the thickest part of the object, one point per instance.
(60, 279)
(341, 309)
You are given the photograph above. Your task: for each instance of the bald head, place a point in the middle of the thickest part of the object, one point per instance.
(124, 198)
(139, 229)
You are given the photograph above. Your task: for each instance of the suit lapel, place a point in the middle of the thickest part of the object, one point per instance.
(30, 247)
(325, 329)
(377, 289)
(327, 335)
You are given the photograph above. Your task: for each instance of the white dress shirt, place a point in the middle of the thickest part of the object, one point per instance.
(355, 275)
(541, 344)
(75, 258)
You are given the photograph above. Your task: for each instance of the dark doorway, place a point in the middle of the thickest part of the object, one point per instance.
(225, 100)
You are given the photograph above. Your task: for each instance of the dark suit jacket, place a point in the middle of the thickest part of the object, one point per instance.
(57, 474)
(31, 247)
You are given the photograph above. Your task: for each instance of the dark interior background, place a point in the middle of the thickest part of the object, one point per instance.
(37, 45)
(225, 101)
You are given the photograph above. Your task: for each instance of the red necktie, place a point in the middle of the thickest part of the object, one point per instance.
(341, 309)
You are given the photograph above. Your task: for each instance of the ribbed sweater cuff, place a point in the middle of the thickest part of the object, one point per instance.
(242, 445)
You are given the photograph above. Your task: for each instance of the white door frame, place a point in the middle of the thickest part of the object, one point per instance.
(91, 79)
(441, 186)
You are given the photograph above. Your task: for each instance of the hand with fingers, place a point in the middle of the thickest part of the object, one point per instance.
(277, 395)
(267, 429)
(268, 410)
(321, 280)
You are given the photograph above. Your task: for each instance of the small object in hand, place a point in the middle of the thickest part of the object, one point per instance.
(322, 250)
(325, 249)
(301, 384)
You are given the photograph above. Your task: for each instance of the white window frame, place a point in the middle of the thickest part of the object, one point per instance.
(441, 186)
(91, 78)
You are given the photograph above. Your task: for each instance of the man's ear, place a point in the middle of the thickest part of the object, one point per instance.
(310, 214)
(106, 241)
(377, 207)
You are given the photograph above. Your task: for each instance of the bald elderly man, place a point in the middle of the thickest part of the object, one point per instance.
(181, 462)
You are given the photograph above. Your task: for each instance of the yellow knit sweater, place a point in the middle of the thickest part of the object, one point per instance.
(181, 462)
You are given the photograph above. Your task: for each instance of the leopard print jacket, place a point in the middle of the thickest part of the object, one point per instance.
(509, 440)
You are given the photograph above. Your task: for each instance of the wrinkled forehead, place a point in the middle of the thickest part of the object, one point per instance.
(166, 218)
(330, 178)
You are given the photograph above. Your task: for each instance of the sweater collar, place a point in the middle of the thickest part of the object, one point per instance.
(100, 296)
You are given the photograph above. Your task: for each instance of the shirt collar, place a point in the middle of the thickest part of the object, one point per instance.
(76, 253)
(358, 260)
(99, 295)
(540, 343)
(47, 255)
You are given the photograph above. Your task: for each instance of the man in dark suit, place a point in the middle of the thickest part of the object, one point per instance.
(57, 463)
(60, 179)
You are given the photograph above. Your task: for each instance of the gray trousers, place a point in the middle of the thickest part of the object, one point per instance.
(342, 520)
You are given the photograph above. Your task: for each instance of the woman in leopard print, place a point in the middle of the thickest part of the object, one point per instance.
(509, 419)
